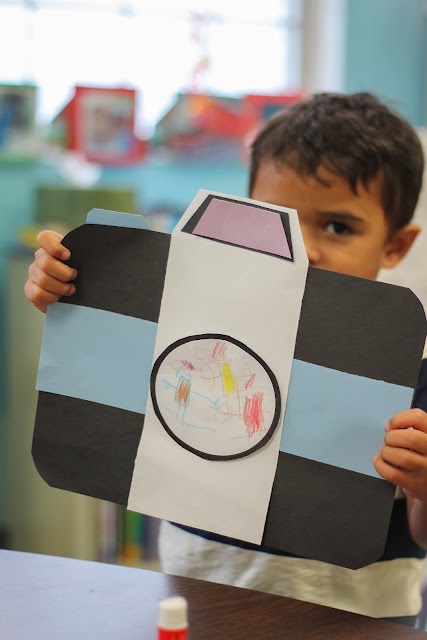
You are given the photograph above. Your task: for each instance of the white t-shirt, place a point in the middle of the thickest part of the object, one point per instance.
(383, 589)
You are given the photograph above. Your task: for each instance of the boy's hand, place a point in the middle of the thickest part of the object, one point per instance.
(405, 447)
(48, 277)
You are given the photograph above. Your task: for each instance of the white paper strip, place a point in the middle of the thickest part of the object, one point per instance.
(215, 288)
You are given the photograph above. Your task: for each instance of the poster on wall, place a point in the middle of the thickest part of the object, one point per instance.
(99, 123)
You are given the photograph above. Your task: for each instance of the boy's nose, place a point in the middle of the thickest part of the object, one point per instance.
(313, 252)
(313, 255)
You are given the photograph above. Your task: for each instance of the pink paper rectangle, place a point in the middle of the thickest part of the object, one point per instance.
(244, 225)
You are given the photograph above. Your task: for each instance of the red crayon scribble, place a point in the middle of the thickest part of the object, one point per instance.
(219, 350)
(250, 382)
(188, 364)
(252, 414)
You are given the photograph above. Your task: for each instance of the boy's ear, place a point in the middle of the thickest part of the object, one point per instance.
(398, 246)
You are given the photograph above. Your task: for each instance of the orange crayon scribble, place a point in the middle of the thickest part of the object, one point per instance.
(250, 382)
(182, 393)
(252, 414)
(229, 381)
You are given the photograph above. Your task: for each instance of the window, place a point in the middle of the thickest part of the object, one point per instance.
(159, 47)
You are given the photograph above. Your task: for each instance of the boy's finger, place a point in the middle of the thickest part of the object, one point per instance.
(50, 241)
(395, 475)
(402, 458)
(49, 284)
(415, 418)
(44, 263)
(38, 297)
(386, 471)
(413, 439)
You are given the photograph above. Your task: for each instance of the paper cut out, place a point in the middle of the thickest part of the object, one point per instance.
(244, 226)
(289, 494)
(116, 219)
(85, 365)
(366, 403)
(215, 287)
(215, 397)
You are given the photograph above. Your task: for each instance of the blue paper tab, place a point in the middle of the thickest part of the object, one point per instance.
(116, 219)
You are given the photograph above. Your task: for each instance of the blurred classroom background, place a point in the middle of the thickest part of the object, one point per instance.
(134, 105)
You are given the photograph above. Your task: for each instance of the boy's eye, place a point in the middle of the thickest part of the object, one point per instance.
(338, 228)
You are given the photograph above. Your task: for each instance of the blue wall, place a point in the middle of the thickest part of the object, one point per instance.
(385, 52)
(176, 184)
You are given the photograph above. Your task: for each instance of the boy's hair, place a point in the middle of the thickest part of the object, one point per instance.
(355, 137)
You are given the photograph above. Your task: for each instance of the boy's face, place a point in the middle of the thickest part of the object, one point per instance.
(342, 231)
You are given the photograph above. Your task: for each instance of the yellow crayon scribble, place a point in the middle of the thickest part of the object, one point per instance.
(228, 380)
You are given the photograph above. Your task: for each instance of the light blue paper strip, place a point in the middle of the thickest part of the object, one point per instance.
(116, 219)
(110, 367)
(321, 401)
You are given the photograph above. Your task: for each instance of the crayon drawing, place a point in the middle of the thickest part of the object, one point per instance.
(215, 396)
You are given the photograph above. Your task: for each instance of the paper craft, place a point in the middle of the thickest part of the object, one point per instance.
(211, 378)
(226, 395)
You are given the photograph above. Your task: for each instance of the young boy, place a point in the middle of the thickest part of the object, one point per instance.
(352, 169)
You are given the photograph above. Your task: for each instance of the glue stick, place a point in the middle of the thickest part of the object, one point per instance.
(173, 623)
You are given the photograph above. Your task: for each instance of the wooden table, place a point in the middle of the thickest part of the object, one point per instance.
(51, 598)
